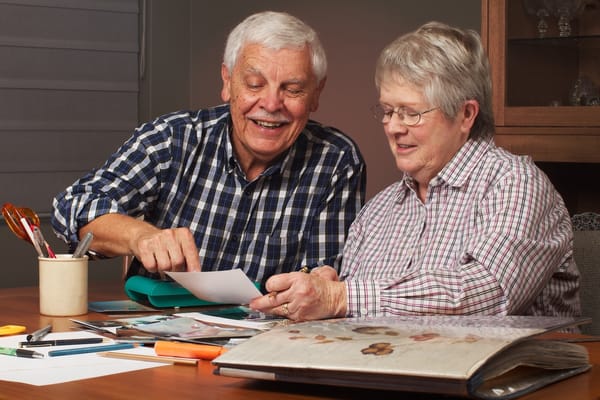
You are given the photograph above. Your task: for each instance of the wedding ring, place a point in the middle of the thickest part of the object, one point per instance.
(286, 310)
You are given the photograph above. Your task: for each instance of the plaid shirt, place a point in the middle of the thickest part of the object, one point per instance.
(180, 170)
(493, 237)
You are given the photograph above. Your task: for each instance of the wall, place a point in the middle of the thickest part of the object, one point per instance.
(68, 97)
(68, 91)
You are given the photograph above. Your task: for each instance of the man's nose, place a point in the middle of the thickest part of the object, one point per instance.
(272, 100)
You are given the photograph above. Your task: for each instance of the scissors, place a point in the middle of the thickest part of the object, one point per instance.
(25, 224)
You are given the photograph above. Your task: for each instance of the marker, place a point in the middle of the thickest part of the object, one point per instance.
(83, 246)
(20, 353)
(39, 334)
(92, 349)
(188, 350)
(61, 342)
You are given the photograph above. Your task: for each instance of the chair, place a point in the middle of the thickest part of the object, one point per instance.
(127, 260)
(586, 247)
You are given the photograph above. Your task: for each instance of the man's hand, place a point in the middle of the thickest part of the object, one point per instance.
(167, 250)
(157, 249)
(300, 296)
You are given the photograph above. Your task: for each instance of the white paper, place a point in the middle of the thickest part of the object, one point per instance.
(239, 323)
(51, 370)
(226, 287)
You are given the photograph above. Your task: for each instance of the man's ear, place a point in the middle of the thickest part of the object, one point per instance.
(314, 106)
(226, 77)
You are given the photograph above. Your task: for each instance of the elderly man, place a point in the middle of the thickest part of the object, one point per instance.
(251, 184)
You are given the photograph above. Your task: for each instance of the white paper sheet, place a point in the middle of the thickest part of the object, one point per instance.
(51, 370)
(239, 323)
(227, 287)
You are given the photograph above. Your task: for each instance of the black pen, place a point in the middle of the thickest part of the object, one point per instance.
(20, 353)
(93, 327)
(61, 342)
(40, 333)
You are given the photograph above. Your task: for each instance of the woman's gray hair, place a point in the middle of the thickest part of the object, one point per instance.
(276, 30)
(448, 64)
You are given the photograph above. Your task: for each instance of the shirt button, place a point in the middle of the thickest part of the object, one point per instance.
(363, 312)
(234, 238)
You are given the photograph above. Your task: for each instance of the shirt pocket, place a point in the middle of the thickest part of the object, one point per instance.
(279, 252)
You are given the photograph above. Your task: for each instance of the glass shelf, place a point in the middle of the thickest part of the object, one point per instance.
(585, 40)
(548, 71)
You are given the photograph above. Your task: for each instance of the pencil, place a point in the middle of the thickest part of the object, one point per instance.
(147, 357)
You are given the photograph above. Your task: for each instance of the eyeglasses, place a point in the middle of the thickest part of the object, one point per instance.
(408, 118)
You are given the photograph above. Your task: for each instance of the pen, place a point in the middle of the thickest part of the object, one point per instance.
(93, 327)
(40, 333)
(92, 349)
(83, 246)
(29, 232)
(20, 353)
(37, 233)
(60, 342)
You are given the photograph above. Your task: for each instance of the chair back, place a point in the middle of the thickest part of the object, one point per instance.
(586, 248)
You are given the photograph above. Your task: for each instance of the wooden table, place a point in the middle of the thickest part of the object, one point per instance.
(20, 306)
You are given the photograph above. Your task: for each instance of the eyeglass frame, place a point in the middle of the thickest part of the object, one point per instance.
(378, 108)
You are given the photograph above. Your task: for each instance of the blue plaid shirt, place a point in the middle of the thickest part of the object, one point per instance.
(180, 170)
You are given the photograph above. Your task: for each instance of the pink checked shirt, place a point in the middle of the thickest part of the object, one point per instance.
(493, 237)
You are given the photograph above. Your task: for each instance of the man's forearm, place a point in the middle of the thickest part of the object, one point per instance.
(114, 233)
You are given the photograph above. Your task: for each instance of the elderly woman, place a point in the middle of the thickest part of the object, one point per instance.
(468, 229)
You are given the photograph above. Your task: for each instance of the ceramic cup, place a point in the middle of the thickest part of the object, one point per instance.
(63, 285)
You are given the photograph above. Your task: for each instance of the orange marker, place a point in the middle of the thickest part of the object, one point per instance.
(188, 350)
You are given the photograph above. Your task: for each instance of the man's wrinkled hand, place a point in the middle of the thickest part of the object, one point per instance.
(168, 250)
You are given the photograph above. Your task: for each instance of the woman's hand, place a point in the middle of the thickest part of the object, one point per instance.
(300, 296)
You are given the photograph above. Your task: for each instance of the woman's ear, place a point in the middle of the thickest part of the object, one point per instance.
(469, 113)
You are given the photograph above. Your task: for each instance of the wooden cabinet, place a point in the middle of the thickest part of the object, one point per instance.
(534, 78)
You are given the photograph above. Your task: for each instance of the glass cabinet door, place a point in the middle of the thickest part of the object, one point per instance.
(545, 58)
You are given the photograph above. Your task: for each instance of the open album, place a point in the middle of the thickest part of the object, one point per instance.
(487, 357)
